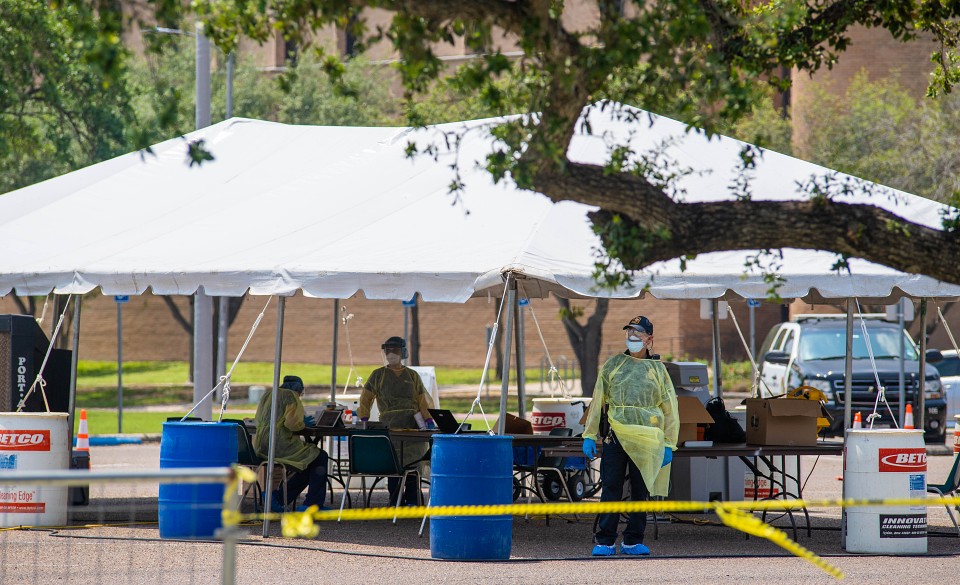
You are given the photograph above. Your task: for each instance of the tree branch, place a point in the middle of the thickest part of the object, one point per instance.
(855, 230)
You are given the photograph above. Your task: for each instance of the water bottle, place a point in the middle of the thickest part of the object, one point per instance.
(355, 419)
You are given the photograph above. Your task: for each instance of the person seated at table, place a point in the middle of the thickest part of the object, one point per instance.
(400, 395)
(636, 399)
(309, 461)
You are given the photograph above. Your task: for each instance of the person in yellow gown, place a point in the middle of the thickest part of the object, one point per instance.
(638, 404)
(309, 461)
(400, 395)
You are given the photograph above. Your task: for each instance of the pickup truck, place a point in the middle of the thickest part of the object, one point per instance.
(810, 350)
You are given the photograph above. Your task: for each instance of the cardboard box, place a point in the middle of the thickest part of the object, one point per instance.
(692, 415)
(516, 425)
(782, 421)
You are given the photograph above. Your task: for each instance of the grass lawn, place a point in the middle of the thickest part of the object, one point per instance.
(103, 374)
(164, 383)
(104, 422)
(159, 383)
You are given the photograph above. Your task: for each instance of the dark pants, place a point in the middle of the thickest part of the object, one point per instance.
(314, 476)
(411, 492)
(613, 472)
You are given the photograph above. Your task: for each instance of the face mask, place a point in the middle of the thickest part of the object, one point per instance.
(634, 346)
(393, 358)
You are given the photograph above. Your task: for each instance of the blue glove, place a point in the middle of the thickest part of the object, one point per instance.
(430, 424)
(667, 456)
(590, 448)
(309, 420)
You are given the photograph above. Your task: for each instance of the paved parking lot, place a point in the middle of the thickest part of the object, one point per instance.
(122, 546)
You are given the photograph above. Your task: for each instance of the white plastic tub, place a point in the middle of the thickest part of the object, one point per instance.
(885, 464)
(33, 441)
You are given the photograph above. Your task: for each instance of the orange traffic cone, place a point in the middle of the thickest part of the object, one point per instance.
(83, 436)
(857, 421)
(908, 418)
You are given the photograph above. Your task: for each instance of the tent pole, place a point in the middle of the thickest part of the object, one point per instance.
(505, 373)
(717, 375)
(848, 369)
(922, 374)
(222, 326)
(521, 379)
(333, 363)
(901, 375)
(202, 353)
(73, 372)
(268, 480)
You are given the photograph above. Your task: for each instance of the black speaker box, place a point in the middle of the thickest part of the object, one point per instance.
(22, 347)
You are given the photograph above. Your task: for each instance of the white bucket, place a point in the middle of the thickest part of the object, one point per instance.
(352, 402)
(255, 393)
(885, 464)
(33, 441)
(956, 434)
(555, 413)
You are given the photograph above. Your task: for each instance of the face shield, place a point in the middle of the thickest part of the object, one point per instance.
(393, 355)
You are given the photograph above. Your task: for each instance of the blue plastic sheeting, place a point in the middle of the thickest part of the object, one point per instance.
(109, 441)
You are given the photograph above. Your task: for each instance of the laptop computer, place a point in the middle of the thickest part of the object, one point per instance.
(446, 422)
(328, 419)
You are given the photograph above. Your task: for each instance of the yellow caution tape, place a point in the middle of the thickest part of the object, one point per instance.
(750, 524)
(733, 514)
(294, 524)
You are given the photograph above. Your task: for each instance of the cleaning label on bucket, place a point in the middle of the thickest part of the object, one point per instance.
(903, 525)
(8, 461)
(918, 485)
(758, 488)
(19, 501)
(903, 460)
(544, 421)
(918, 490)
(24, 440)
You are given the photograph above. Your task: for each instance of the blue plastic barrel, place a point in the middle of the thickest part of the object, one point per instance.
(194, 510)
(471, 470)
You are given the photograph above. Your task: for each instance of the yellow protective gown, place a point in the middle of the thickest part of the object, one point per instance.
(290, 449)
(642, 412)
(398, 397)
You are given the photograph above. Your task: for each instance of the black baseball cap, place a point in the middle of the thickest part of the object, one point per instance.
(294, 383)
(394, 342)
(640, 323)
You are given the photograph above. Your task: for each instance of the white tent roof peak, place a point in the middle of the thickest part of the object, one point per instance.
(338, 211)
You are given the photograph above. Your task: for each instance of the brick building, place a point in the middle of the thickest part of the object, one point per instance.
(454, 335)
(451, 334)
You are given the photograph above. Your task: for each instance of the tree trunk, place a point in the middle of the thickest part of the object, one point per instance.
(63, 337)
(414, 335)
(497, 342)
(586, 340)
(28, 308)
(933, 320)
(186, 326)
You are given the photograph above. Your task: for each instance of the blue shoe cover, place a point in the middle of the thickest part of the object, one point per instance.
(304, 508)
(634, 549)
(275, 505)
(604, 550)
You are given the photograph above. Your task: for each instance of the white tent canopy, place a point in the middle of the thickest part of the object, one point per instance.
(337, 211)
